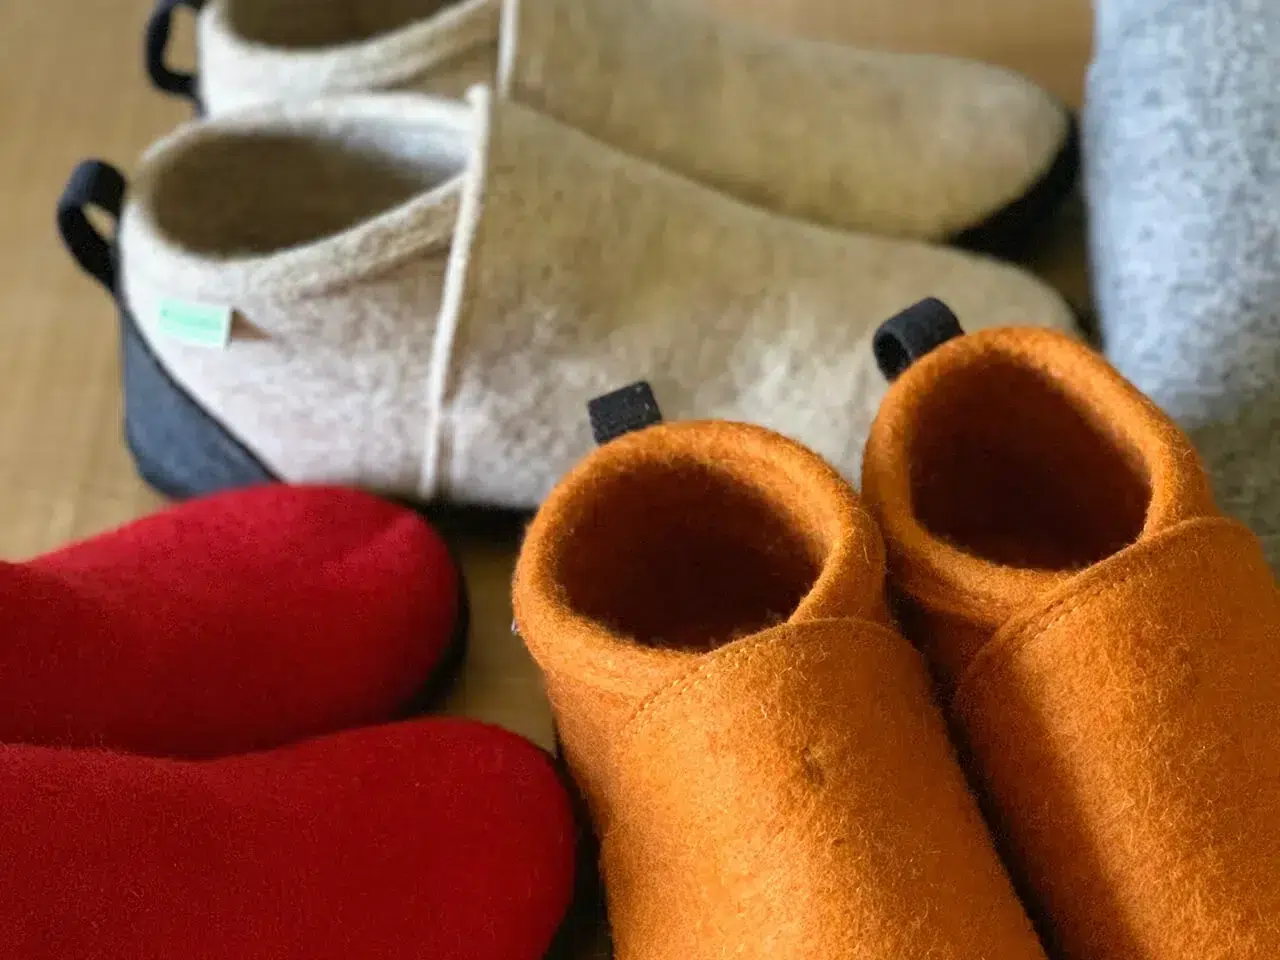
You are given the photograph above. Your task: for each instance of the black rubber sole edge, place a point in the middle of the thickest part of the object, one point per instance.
(1010, 233)
(179, 449)
(584, 921)
(164, 425)
(448, 669)
(587, 919)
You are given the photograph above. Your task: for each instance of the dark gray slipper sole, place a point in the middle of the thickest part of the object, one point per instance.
(182, 452)
(179, 449)
(1011, 232)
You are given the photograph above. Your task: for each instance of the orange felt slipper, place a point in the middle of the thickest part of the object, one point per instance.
(758, 749)
(1108, 643)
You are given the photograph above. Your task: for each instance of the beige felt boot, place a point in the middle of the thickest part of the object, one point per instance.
(1048, 40)
(423, 294)
(902, 145)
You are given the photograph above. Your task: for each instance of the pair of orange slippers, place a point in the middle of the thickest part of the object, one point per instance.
(1064, 741)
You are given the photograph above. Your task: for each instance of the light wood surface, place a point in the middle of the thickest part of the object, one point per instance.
(72, 86)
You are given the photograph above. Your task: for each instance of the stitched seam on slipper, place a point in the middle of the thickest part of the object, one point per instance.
(740, 653)
(1005, 648)
(468, 240)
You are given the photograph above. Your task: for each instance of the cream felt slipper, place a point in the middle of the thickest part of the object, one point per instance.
(418, 296)
(902, 145)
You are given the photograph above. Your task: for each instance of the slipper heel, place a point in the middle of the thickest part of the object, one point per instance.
(179, 449)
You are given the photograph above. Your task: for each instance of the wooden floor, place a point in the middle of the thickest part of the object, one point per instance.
(72, 86)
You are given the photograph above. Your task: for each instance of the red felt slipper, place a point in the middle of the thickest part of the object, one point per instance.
(235, 623)
(435, 839)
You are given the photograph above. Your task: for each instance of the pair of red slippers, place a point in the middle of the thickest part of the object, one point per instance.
(205, 752)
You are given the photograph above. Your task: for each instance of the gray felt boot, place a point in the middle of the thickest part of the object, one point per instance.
(1183, 178)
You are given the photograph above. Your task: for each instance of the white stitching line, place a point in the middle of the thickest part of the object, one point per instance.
(435, 445)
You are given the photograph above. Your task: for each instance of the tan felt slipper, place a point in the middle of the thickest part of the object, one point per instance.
(1107, 642)
(420, 296)
(1050, 41)
(757, 747)
(902, 145)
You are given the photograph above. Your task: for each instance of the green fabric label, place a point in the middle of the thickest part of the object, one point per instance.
(199, 324)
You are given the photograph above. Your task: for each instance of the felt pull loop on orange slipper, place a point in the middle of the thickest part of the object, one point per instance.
(1107, 642)
(1003, 462)
(758, 749)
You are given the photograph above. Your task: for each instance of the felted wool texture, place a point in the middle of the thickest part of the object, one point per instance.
(915, 146)
(1049, 41)
(588, 269)
(1183, 172)
(1106, 641)
(253, 52)
(327, 229)
(762, 761)
(895, 144)
(427, 295)
(440, 838)
(234, 623)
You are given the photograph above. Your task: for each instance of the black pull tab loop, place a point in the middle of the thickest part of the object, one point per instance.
(156, 47)
(623, 411)
(98, 184)
(902, 340)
